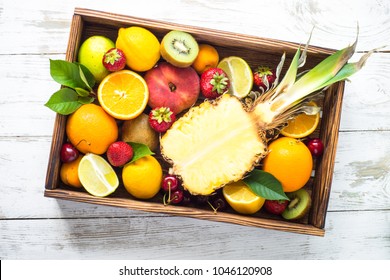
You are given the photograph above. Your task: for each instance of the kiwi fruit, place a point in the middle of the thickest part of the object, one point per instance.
(179, 48)
(300, 202)
(138, 130)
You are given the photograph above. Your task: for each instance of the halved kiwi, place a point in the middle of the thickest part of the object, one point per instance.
(300, 202)
(179, 48)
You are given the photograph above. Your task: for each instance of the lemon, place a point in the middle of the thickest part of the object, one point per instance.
(141, 47)
(242, 199)
(97, 176)
(142, 178)
(240, 75)
(91, 55)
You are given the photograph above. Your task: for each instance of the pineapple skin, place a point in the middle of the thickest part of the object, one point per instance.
(213, 144)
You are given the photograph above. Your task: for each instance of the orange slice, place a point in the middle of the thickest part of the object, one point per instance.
(123, 94)
(302, 125)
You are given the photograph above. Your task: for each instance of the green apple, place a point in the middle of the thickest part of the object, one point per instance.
(91, 55)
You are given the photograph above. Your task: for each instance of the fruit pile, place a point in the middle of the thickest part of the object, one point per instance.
(122, 97)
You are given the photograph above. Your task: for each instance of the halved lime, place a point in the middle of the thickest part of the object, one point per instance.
(97, 176)
(240, 75)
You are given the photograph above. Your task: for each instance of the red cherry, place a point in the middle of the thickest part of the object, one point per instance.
(170, 182)
(176, 196)
(315, 146)
(68, 153)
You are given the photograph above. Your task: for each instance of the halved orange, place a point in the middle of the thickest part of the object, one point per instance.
(123, 94)
(302, 125)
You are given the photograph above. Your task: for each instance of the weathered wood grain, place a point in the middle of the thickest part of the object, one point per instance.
(285, 20)
(347, 237)
(357, 225)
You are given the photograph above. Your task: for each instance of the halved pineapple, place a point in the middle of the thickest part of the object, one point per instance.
(213, 144)
(218, 142)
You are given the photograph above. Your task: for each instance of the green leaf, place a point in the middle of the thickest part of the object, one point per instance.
(86, 76)
(82, 92)
(68, 74)
(265, 185)
(85, 99)
(64, 101)
(140, 150)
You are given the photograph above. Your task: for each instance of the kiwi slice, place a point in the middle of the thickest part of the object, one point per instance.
(179, 48)
(299, 205)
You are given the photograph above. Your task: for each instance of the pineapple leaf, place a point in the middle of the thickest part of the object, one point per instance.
(264, 184)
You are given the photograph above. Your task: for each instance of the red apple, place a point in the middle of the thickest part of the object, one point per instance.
(173, 87)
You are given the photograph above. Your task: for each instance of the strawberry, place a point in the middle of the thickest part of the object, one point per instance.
(275, 206)
(214, 82)
(114, 60)
(119, 153)
(161, 118)
(259, 76)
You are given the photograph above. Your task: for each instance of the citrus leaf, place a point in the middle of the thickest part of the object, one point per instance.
(140, 150)
(85, 99)
(86, 76)
(66, 73)
(265, 185)
(82, 92)
(64, 101)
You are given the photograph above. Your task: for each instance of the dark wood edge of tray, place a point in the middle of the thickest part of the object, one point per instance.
(185, 212)
(329, 135)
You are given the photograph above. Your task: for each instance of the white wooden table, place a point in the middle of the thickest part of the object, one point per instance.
(34, 227)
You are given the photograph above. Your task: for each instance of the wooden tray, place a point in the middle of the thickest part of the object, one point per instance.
(256, 51)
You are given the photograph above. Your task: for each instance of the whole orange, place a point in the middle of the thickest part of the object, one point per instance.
(91, 130)
(290, 161)
(69, 173)
(208, 57)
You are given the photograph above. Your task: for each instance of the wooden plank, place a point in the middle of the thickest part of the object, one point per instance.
(360, 182)
(348, 237)
(50, 22)
(362, 171)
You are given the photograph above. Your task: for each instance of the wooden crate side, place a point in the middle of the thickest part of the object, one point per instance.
(329, 134)
(53, 167)
(185, 212)
(88, 22)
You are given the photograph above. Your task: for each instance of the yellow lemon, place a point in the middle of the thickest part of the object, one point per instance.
(141, 47)
(91, 55)
(142, 178)
(241, 198)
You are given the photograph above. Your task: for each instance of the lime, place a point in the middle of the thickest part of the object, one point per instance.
(97, 176)
(91, 55)
(240, 75)
(241, 198)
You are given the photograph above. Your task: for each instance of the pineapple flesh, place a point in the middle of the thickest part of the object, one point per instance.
(219, 141)
(213, 144)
